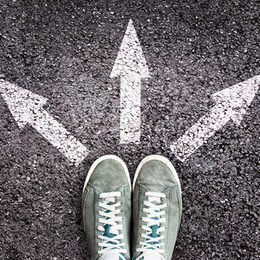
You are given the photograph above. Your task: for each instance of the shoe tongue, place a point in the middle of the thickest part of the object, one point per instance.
(110, 256)
(151, 256)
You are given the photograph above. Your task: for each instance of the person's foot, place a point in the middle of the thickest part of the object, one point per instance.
(106, 209)
(157, 208)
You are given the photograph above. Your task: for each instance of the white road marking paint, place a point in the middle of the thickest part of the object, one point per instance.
(130, 66)
(26, 107)
(231, 103)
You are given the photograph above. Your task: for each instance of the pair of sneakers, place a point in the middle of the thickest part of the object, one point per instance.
(124, 222)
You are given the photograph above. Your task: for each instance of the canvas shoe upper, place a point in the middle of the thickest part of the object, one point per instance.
(157, 208)
(106, 209)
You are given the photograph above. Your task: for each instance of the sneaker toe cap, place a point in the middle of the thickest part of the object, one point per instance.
(109, 175)
(156, 176)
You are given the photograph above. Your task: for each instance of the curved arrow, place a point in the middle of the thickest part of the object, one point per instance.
(130, 66)
(231, 103)
(26, 108)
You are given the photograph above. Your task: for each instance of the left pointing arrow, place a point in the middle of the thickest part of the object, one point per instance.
(26, 108)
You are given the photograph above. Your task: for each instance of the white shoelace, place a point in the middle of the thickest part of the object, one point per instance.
(152, 230)
(110, 219)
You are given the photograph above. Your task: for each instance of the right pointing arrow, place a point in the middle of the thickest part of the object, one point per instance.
(231, 103)
(130, 66)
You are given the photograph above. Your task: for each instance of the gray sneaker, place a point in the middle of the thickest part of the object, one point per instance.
(157, 208)
(106, 209)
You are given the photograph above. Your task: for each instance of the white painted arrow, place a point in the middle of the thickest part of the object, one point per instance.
(26, 108)
(231, 103)
(130, 66)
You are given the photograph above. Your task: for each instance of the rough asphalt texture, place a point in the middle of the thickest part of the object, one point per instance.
(64, 51)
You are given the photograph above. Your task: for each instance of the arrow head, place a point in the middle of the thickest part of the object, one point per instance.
(238, 97)
(130, 58)
(22, 103)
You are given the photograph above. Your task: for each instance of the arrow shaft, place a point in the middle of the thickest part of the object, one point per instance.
(130, 104)
(198, 134)
(58, 136)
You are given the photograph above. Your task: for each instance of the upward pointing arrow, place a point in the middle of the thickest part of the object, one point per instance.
(231, 103)
(26, 108)
(130, 66)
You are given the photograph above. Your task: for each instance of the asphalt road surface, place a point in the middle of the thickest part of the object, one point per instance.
(65, 51)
